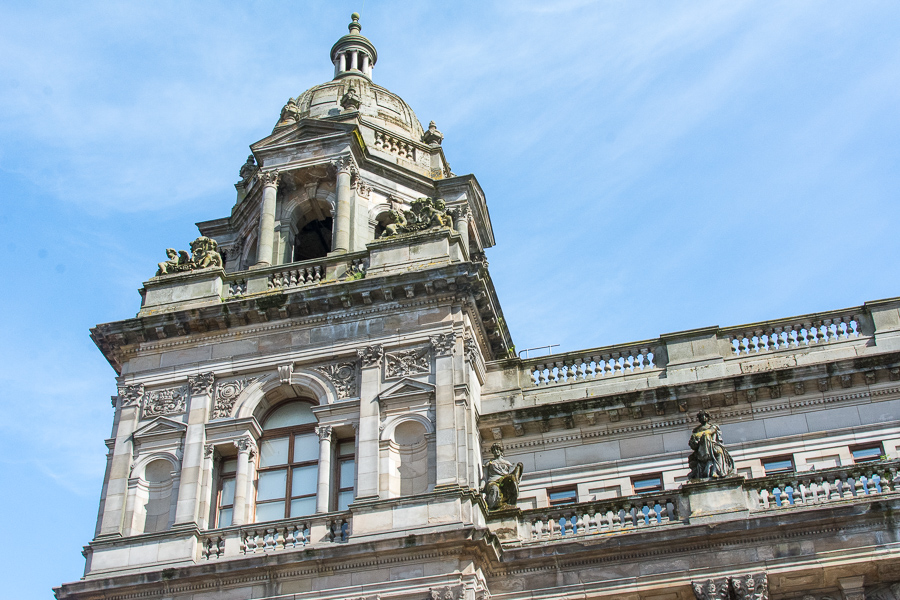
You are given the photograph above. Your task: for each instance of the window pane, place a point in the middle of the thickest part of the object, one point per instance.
(347, 470)
(303, 506)
(304, 480)
(229, 466)
(864, 454)
(288, 415)
(225, 517)
(780, 465)
(272, 484)
(562, 496)
(347, 448)
(269, 511)
(227, 492)
(306, 447)
(273, 452)
(647, 485)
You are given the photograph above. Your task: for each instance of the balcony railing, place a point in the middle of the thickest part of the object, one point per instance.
(275, 536)
(791, 490)
(591, 365)
(605, 516)
(295, 275)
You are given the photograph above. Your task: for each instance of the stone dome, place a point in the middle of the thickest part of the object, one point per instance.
(376, 105)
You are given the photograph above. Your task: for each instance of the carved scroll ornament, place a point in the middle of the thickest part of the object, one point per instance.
(343, 376)
(227, 393)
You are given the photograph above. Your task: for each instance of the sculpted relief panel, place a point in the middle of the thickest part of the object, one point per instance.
(406, 362)
(343, 376)
(169, 401)
(226, 395)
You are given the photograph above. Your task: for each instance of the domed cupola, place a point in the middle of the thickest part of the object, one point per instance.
(353, 54)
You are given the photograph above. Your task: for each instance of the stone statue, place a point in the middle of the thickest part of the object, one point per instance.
(248, 169)
(501, 481)
(290, 112)
(423, 213)
(709, 459)
(351, 100)
(204, 254)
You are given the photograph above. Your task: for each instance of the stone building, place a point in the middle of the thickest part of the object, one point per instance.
(309, 401)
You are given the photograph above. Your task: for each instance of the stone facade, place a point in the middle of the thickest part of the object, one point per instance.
(349, 346)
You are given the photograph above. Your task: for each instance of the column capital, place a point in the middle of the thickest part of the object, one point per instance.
(208, 450)
(269, 178)
(371, 355)
(131, 394)
(246, 444)
(443, 343)
(344, 164)
(324, 433)
(202, 383)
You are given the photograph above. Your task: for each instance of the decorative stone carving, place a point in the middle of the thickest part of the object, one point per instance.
(324, 432)
(501, 481)
(131, 394)
(342, 376)
(246, 444)
(445, 593)
(351, 100)
(407, 362)
(370, 355)
(709, 459)
(204, 254)
(208, 450)
(285, 372)
(268, 177)
(201, 384)
(169, 401)
(750, 587)
(363, 189)
(290, 113)
(343, 163)
(227, 393)
(712, 589)
(471, 349)
(424, 213)
(248, 169)
(433, 137)
(443, 343)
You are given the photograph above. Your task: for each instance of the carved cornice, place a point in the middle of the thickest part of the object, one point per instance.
(371, 356)
(202, 383)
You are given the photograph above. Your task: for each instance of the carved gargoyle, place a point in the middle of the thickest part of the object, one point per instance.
(204, 255)
(424, 213)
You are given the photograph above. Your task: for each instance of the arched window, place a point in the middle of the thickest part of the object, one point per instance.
(313, 240)
(158, 509)
(288, 463)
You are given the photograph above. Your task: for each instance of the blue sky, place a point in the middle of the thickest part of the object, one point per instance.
(650, 167)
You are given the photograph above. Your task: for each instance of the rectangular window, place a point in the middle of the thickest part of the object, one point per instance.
(778, 464)
(346, 473)
(866, 453)
(563, 495)
(643, 484)
(225, 496)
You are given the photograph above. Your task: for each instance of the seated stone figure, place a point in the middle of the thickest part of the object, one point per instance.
(204, 253)
(501, 481)
(709, 459)
(174, 264)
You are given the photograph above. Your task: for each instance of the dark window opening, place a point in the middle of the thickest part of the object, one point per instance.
(313, 241)
(866, 453)
(778, 464)
(647, 483)
(345, 473)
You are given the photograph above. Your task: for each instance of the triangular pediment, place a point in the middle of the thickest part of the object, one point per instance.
(407, 388)
(303, 130)
(160, 426)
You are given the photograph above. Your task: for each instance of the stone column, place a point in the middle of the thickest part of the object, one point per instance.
(365, 64)
(354, 60)
(461, 224)
(246, 451)
(342, 62)
(188, 506)
(323, 487)
(130, 397)
(369, 421)
(264, 249)
(344, 166)
(450, 431)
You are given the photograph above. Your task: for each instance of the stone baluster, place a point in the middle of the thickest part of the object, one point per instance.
(266, 235)
(322, 487)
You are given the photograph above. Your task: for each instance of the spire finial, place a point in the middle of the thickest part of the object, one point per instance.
(354, 25)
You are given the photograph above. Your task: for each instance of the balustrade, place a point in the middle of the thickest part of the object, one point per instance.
(592, 364)
(817, 487)
(615, 515)
(802, 332)
(296, 277)
(394, 145)
(261, 538)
